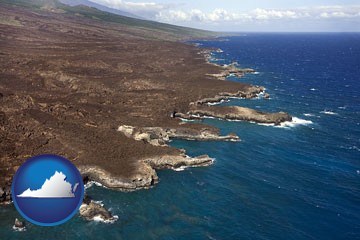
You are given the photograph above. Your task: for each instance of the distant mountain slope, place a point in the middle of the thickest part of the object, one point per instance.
(100, 7)
(148, 29)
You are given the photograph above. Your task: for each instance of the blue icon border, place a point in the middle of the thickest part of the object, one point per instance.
(40, 223)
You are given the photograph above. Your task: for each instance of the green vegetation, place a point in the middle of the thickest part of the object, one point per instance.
(175, 32)
(10, 21)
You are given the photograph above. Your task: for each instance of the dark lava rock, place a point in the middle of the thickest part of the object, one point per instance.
(3, 119)
(87, 200)
(94, 210)
(86, 179)
(19, 224)
(8, 194)
(5, 194)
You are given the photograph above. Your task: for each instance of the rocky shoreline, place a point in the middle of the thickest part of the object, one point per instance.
(159, 136)
(145, 176)
(232, 70)
(235, 113)
(250, 93)
(113, 107)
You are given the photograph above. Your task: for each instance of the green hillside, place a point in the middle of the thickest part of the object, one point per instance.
(176, 32)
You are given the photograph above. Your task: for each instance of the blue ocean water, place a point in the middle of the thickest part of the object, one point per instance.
(299, 182)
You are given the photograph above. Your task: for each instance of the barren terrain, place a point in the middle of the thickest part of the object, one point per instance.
(67, 83)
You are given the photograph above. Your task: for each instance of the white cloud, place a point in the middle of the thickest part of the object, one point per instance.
(178, 14)
(217, 15)
(264, 14)
(55, 187)
(257, 15)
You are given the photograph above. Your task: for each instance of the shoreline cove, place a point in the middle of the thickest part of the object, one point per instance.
(158, 136)
(145, 175)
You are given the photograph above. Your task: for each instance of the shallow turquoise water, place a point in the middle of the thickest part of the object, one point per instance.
(301, 182)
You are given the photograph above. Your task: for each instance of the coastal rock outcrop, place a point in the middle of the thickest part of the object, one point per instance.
(182, 160)
(240, 113)
(19, 225)
(250, 93)
(145, 175)
(158, 136)
(93, 211)
(232, 70)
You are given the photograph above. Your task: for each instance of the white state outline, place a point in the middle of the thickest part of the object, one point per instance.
(54, 187)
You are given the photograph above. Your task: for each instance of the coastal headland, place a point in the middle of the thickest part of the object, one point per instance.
(108, 96)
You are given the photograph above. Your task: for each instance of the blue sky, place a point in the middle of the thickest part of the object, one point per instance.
(249, 15)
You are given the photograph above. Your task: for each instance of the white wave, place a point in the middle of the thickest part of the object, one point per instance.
(309, 115)
(236, 98)
(295, 122)
(329, 112)
(256, 73)
(266, 124)
(17, 229)
(355, 148)
(198, 116)
(216, 103)
(91, 183)
(187, 120)
(98, 202)
(234, 140)
(109, 221)
(233, 120)
(313, 89)
(344, 107)
(179, 169)
(288, 124)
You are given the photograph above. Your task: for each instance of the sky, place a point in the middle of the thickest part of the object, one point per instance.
(249, 15)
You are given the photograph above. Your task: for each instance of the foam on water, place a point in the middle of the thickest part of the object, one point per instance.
(91, 183)
(179, 169)
(17, 229)
(217, 103)
(107, 221)
(295, 122)
(289, 124)
(99, 202)
(327, 112)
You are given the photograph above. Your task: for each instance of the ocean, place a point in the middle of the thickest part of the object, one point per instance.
(298, 181)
